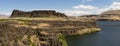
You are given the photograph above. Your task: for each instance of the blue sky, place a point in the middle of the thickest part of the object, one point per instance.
(69, 7)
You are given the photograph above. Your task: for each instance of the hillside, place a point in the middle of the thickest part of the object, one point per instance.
(39, 32)
(48, 30)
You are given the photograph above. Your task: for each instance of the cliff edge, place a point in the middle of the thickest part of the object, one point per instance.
(37, 13)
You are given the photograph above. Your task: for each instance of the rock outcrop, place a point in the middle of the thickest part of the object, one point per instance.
(37, 13)
(38, 32)
(17, 32)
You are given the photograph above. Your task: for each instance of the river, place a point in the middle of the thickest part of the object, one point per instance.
(108, 36)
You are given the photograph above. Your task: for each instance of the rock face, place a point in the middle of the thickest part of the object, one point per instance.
(37, 13)
(26, 32)
(92, 17)
(38, 32)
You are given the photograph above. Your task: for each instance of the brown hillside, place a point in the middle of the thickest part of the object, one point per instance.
(112, 12)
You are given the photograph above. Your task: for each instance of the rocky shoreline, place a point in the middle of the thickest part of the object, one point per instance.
(26, 29)
(26, 32)
(109, 20)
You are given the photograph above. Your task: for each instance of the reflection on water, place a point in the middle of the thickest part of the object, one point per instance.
(108, 36)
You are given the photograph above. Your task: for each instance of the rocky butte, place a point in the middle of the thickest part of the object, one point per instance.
(38, 28)
(37, 13)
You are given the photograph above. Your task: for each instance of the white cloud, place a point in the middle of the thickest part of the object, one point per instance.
(86, 1)
(115, 5)
(89, 9)
(116, 0)
(89, 0)
(76, 13)
(82, 10)
(85, 7)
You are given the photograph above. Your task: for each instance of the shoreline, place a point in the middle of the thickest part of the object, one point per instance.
(48, 30)
(81, 32)
(108, 19)
(88, 30)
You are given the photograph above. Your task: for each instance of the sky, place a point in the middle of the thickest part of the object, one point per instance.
(69, 7)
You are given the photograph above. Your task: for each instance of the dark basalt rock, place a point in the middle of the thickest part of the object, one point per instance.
(10, 35)
(37, 13)
(38, 32)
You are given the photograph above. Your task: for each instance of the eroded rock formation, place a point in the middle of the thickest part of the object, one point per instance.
(37, 13)
(31, 32)
(39, 32)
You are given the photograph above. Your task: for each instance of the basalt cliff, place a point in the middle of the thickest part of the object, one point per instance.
(37, 13)
(42, 31)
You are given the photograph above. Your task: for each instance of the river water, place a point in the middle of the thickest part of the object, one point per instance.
(108, 36)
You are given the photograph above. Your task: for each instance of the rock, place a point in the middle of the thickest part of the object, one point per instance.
(34, 39)
(46, 33)
(37, 13)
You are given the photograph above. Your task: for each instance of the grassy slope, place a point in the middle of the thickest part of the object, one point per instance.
(62, 39)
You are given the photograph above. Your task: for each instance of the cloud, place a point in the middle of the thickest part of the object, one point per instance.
(89, 9)
(89, 0)
(85, 7)
(76, 12)
(115, 5)
(116, 0)
(86, 1)
(81, 10)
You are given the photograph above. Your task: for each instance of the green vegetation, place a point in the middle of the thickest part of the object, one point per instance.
(31, 43)
(88, 31)
(63, 40)
(26, 20)
(62, 37)
(20, 21)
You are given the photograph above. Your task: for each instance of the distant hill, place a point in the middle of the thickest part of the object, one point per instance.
(4, 16)
(112, 12)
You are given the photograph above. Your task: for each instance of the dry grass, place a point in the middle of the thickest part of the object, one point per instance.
(44, 18)
(26, 18)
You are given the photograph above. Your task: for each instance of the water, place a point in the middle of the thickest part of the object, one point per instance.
(108, 36)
